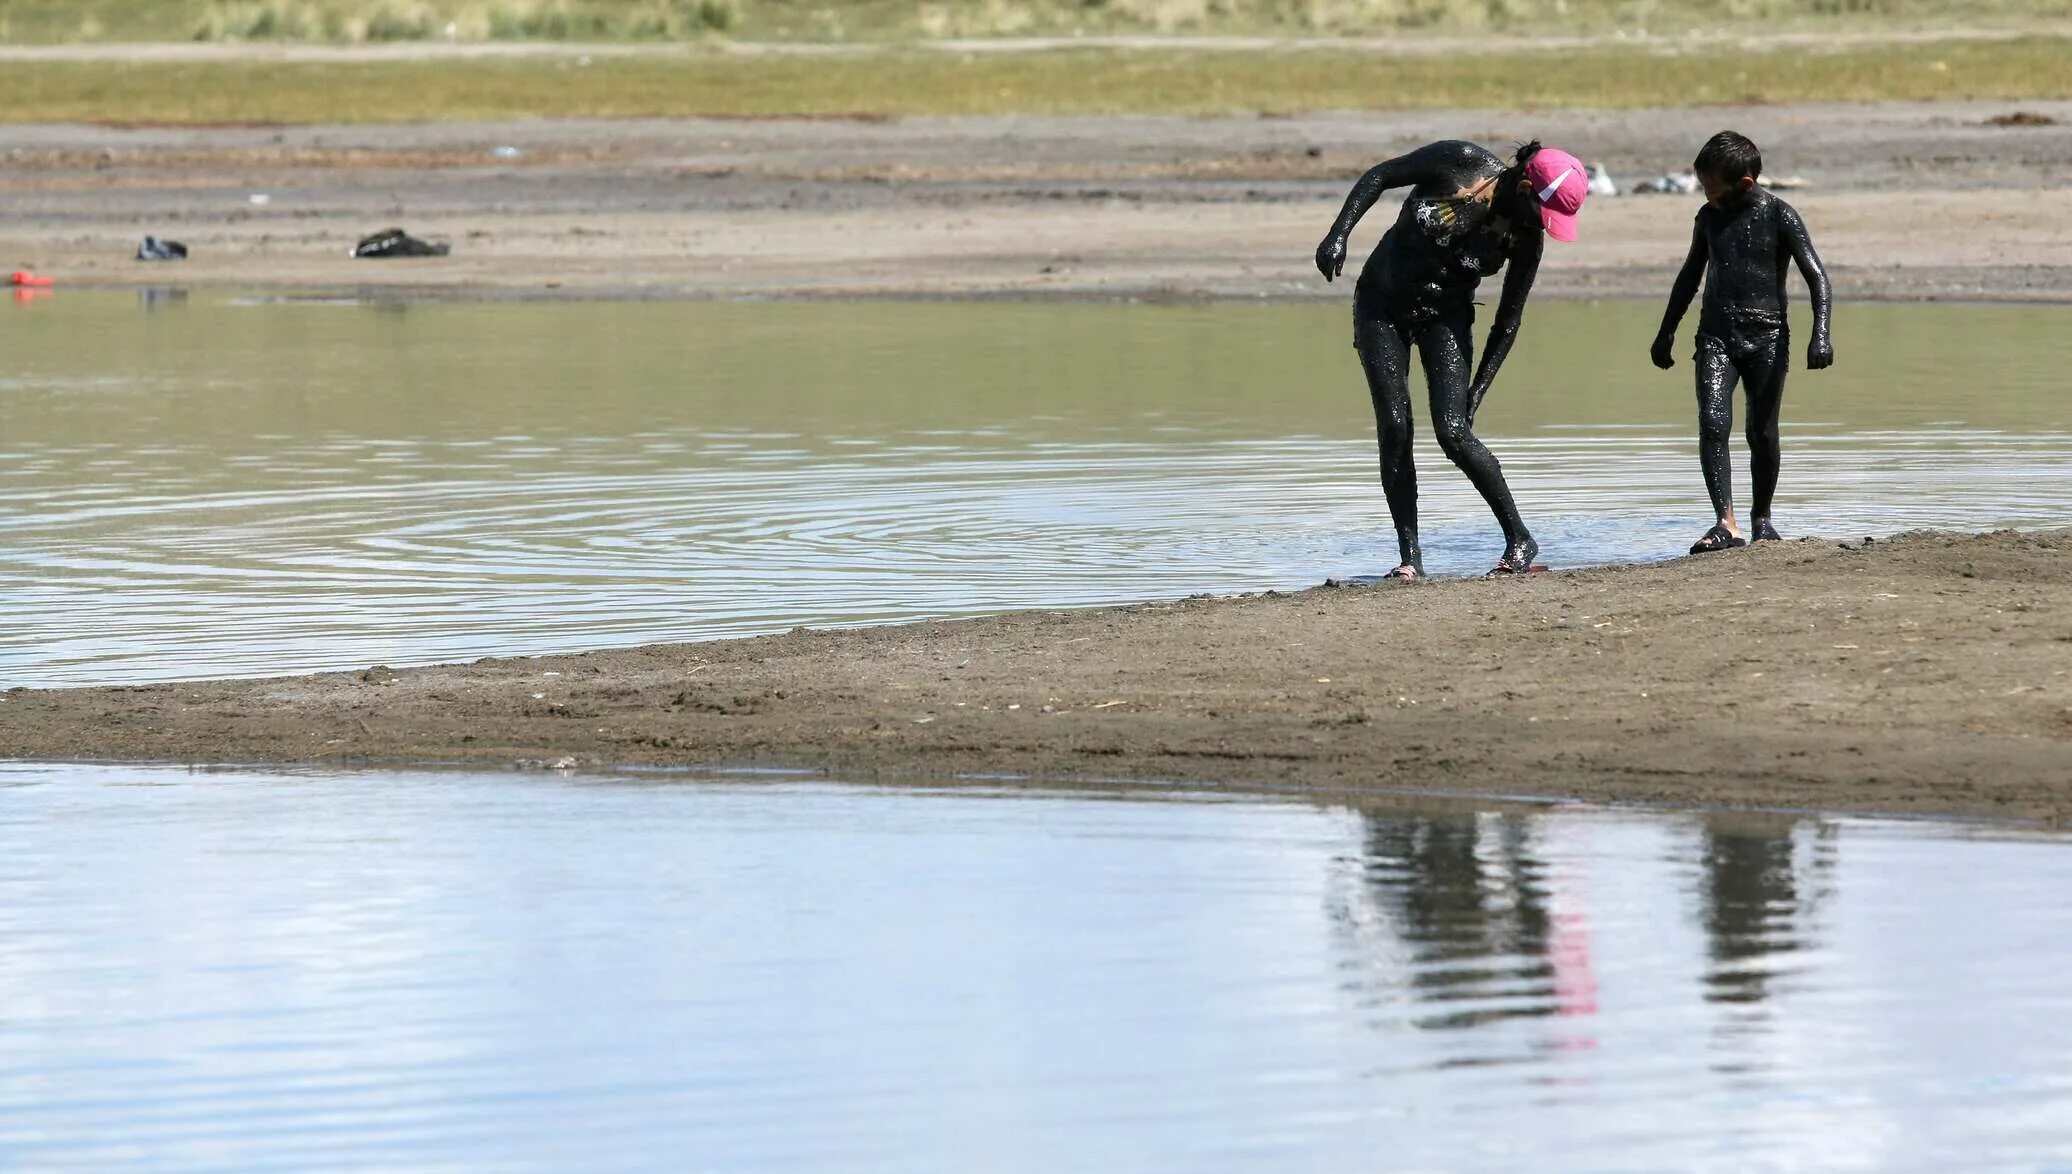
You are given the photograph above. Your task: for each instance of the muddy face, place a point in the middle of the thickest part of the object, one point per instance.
(1722, 194)
(1516, 203)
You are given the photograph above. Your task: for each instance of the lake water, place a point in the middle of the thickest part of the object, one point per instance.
(301, 970)
(463, 971)
(219, 486)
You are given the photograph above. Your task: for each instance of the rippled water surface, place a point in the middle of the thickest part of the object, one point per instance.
(224, 486)
(268, 971)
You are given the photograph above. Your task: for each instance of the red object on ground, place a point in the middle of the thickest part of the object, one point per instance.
(24, 277)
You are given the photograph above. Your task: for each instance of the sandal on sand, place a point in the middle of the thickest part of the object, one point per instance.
(1517, 560)
(1717, 538)
(1505, 570)
(1406, 573)
(1764, 532)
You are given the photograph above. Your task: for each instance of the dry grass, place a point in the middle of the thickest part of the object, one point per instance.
(420, 20)
(896, 20)
(893, 83)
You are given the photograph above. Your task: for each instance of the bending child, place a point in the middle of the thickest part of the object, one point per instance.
(1743, 238)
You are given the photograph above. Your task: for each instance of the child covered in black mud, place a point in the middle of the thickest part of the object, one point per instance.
(1743, 239)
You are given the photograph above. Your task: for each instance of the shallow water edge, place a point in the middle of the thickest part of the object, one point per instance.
(1920, 675)
(366, 483)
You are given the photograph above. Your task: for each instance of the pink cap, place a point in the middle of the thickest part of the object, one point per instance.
(1559, 183)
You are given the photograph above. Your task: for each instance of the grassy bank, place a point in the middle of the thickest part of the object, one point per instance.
(896, 83)
(403, 20)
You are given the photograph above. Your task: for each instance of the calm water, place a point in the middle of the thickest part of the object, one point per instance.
(224, 486)
(268, 971)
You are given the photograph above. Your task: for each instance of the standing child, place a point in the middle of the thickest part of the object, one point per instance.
(1744, 237)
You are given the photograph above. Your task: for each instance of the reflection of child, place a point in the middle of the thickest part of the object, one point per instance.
(1743, 238)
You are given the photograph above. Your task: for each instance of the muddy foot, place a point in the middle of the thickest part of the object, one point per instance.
(1717, 538)
(1517, 559)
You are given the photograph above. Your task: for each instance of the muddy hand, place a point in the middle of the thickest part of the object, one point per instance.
(1820, 354)
(1331, 257)
(1661, 353)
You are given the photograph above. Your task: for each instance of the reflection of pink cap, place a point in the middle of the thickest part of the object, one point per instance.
(1559, 182)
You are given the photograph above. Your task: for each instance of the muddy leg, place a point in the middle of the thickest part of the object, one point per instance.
(1763, 370)
(1385, 356)
(1447, 348)
(1716, 377)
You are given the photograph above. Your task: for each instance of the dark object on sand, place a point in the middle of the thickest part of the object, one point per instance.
(154, 249)
(394, 242)
(2022, 118)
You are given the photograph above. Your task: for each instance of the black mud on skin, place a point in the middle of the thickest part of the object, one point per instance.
(1741, 252)
(1465, 218)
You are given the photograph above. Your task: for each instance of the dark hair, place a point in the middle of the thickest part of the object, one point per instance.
(1520, 207)
(1729, 157)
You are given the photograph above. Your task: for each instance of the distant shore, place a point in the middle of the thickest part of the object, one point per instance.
(1929, 674)
(1097, 207)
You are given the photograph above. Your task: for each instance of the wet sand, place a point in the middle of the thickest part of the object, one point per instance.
(1928, 674)
(1114, 207)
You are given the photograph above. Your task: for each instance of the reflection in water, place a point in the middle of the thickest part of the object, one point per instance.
(1464, 913)
(1753, 910)
(153, 298)
(1762, 880)
(1468, 899)
(256, 970)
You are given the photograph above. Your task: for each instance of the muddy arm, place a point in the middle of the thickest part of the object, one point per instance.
(1524, 267)
(1680, 295)
(1426, 163)
(1820, 352)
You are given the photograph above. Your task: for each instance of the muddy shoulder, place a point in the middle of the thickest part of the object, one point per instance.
(1930, 673)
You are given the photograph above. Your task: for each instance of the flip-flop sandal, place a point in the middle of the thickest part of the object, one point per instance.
(1716, 539)
(1406, 574)
(1500, 571)
(1765, 532)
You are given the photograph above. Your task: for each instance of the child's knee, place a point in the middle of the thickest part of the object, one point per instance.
(1454, 436)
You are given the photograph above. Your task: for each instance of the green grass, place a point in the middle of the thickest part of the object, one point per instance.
(880, 20)
(895, 83)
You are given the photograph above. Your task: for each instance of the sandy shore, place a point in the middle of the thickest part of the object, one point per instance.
(1908, 201)
(1927, 674)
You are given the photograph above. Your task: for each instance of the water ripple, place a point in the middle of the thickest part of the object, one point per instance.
(125, 574)
(239, 487)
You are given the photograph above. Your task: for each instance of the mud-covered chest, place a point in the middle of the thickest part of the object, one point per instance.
(1463, 229)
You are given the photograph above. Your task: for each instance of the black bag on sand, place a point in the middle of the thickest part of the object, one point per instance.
(154, 249)
(394, 242)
